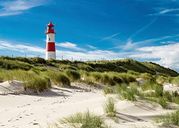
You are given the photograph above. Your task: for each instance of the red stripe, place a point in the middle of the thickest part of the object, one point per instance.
(50, 31)
(51, 46)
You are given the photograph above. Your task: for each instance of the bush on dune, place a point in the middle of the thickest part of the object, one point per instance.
(59, 78)
(73, 75)
(38, 84)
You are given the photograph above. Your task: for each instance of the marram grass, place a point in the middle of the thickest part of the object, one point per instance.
(110, 108)
(84, 120)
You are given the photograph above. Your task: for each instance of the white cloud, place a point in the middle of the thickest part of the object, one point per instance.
(166, 54)
(89, 55)
(76, 55)
(16, 7)
(70, 45)
(20, 47)
(132, 45)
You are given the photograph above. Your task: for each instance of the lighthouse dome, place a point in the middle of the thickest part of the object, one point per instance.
(51, 24)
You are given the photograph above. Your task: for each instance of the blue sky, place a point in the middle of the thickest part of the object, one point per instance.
(146, 30)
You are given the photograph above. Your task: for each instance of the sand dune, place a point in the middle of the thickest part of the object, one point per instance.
(37, 111)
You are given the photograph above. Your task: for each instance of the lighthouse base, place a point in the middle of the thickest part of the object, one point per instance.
(50, 55)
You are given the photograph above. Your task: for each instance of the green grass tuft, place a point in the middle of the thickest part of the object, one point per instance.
(84, 120)
(59, 78)
(74, 75)
(109, 107)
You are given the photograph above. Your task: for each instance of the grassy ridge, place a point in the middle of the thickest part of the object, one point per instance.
(39, 74)
(124, 65)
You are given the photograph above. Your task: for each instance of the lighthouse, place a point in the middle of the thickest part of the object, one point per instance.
(50, 42)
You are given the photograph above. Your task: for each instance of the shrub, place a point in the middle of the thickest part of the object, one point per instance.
(73, 75)
(85, 120)
(109, 108)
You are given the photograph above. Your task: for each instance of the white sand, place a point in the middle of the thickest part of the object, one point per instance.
(25, 111)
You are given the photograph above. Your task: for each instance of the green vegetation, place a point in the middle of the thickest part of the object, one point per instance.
(119, 66)
(170, 119)
(73, 74)
(108, 90)
(109, 107)
(84, 120)
(30, 79)
(175, 80)
(127, 92)
(59, 78)
(39, 74)
(148, 90)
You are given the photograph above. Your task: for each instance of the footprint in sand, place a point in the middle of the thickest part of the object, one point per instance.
(57, 102)
(23, 106)
(38, 100)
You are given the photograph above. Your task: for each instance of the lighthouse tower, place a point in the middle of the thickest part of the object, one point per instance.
(50, 42)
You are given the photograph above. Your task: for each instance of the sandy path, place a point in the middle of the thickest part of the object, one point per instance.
(25, 111)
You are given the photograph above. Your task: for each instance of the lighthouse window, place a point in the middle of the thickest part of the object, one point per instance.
(49, 39)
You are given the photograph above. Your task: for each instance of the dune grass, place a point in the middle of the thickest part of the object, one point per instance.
(74, 75)
(108, 78)
(59, 78)
(170, 119)
(109, 107)
(38, 84)
(108, 73)
(84, 120)
(30, 79)
(108, 90)
(175, 80)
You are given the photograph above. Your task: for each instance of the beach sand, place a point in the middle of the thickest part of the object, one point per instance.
(39, 111)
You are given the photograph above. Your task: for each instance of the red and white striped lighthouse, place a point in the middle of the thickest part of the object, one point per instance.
(50, 42)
